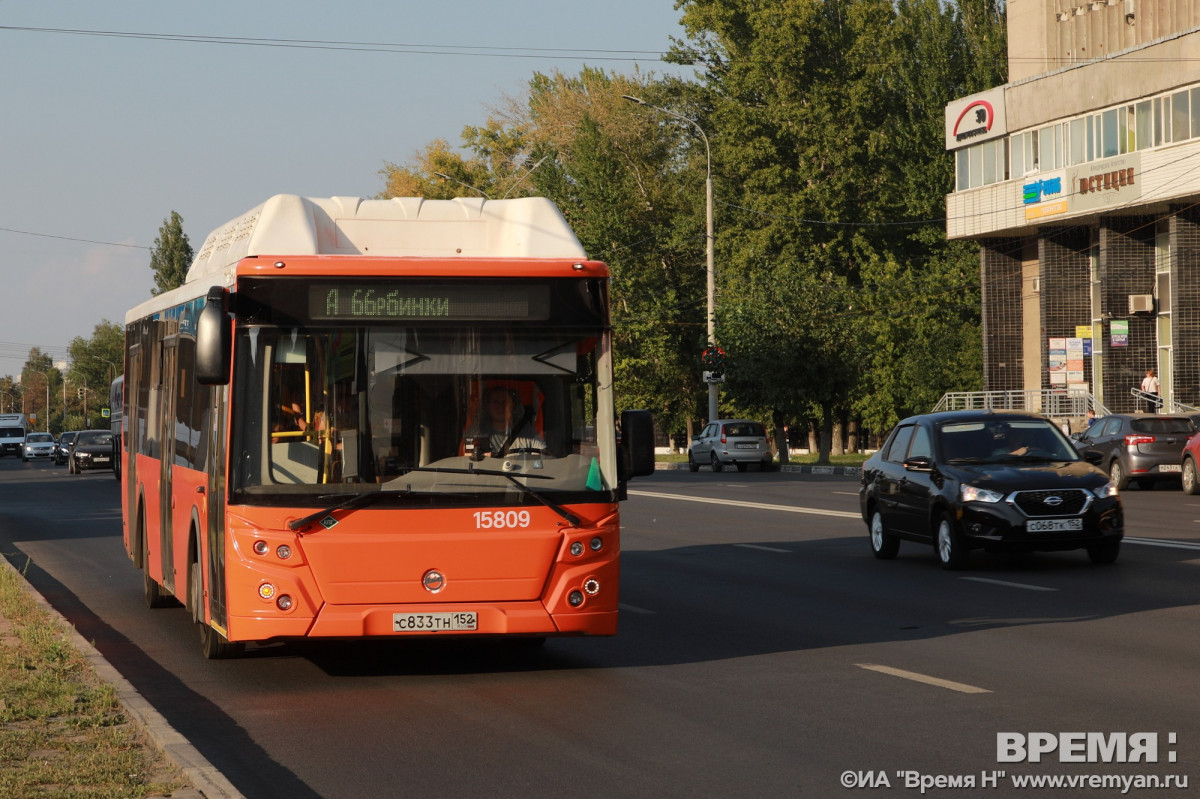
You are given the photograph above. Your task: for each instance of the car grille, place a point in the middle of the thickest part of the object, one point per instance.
(1034, 503)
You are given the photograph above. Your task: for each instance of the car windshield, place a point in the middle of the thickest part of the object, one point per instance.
(85, 439)
(38, 438)
(988, 441)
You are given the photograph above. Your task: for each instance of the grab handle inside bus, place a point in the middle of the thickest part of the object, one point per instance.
(214, 340)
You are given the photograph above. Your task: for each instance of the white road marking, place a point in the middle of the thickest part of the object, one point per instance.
(1026, 586)
(924, 678)
(764, 549)
(1157, 542)
(760, 506)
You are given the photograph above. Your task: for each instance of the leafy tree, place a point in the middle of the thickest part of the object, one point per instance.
(95, 362)
(41, 383)
(172, 255)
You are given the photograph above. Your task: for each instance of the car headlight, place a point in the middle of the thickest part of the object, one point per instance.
(970, 493)
(1109, 489)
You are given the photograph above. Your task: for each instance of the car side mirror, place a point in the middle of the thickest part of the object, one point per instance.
(919, 463)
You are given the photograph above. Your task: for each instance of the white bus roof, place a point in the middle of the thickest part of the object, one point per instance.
(286, 224)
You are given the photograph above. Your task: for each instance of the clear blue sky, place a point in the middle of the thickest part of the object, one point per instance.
(102, 136)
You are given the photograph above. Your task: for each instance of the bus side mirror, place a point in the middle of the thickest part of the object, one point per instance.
(637, 443)
(214, 340)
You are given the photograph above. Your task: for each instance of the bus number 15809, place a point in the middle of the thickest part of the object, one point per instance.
(501, 519)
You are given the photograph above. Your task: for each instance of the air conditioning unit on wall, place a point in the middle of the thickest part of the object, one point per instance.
(1141, 303)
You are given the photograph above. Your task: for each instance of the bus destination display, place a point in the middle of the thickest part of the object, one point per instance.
(408, 302)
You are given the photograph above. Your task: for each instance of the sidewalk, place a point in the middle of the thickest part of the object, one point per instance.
(206, 781)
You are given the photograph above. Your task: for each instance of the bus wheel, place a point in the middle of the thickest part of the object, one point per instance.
(152, 592)
(214, 645)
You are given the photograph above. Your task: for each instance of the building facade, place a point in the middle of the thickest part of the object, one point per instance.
(1080, 179)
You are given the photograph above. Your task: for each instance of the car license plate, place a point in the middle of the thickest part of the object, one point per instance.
(434, 622)
(1168, 467)
(102, 459)
(1053, 525)
(747, 446)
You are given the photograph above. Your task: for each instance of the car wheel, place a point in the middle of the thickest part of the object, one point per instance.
(692, 465)
(1116, 473)
(1105, 551)
(951, 550)
(885, 545)
(1191, 480)
(716, 462)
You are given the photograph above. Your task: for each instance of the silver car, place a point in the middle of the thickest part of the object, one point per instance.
(37, 445)
(730, 442)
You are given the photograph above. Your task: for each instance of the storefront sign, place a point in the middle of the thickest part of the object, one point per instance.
(977, 118)
(1103, 184)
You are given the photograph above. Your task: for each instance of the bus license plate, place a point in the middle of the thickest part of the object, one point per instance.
(434, 622)
(1053, 525)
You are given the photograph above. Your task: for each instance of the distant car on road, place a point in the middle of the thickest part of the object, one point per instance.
(37, 445)
(63, 448)
(730, 442)
(92, 449)
(1140, 448)
(997, 481)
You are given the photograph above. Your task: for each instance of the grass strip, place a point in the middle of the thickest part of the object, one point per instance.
(62, 730)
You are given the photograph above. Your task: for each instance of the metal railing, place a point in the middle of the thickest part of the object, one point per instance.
(1153, 402)
(1048, 402)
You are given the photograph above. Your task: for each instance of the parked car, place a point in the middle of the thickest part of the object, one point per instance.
(1189, 470)
(730, 442)
(91, 449)
(37, 445)
(64, 446)
(994, 480)
(1142, 448)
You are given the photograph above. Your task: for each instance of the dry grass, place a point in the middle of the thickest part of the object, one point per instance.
(62, 730)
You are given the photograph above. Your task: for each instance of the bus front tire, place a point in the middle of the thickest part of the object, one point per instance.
(214, 645)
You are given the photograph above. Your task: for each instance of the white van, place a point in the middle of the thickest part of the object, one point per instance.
(12, 433)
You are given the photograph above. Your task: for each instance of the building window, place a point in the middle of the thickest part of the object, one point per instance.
(1109, 140)
(1179, 117)
(1143, 134)
(1078, 153)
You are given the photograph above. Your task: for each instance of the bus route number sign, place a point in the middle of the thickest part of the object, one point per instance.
(434, 622)
(408, 302)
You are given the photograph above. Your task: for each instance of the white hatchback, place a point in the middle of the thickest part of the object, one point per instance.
(730, 442)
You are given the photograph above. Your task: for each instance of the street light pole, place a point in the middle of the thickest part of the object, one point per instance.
(709, 240)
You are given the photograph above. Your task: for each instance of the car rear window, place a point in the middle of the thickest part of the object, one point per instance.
(744, 429)
(1161, 425)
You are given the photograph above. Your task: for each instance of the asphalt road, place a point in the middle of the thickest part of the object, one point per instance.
(763, 652)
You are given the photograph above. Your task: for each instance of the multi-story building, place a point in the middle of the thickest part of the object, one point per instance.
(1080, 179)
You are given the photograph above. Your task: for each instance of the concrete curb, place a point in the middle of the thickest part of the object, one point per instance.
(839, 471)
(206, 781)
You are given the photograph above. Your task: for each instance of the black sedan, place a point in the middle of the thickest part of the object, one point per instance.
(990, 480)
(91, 449)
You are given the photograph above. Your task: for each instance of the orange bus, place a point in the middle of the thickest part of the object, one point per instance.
(364, 418)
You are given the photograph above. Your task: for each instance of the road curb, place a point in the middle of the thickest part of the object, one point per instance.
(206, 780)
(839, 471)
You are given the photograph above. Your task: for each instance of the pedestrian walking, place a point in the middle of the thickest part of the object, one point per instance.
(1150, 385)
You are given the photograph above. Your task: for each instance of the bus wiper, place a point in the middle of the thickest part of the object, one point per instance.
(355, 501)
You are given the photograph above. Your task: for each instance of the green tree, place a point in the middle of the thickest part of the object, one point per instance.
(172, 255)
(41, 383)
(95, 363)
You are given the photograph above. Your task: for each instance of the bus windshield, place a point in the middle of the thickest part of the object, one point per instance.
(446, 415)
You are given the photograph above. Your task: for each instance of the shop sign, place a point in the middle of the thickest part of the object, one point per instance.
(1103, 184)
(976, 118)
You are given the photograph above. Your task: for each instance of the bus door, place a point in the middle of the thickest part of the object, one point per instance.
(217, 397)
(166, 437)
(135, 386)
